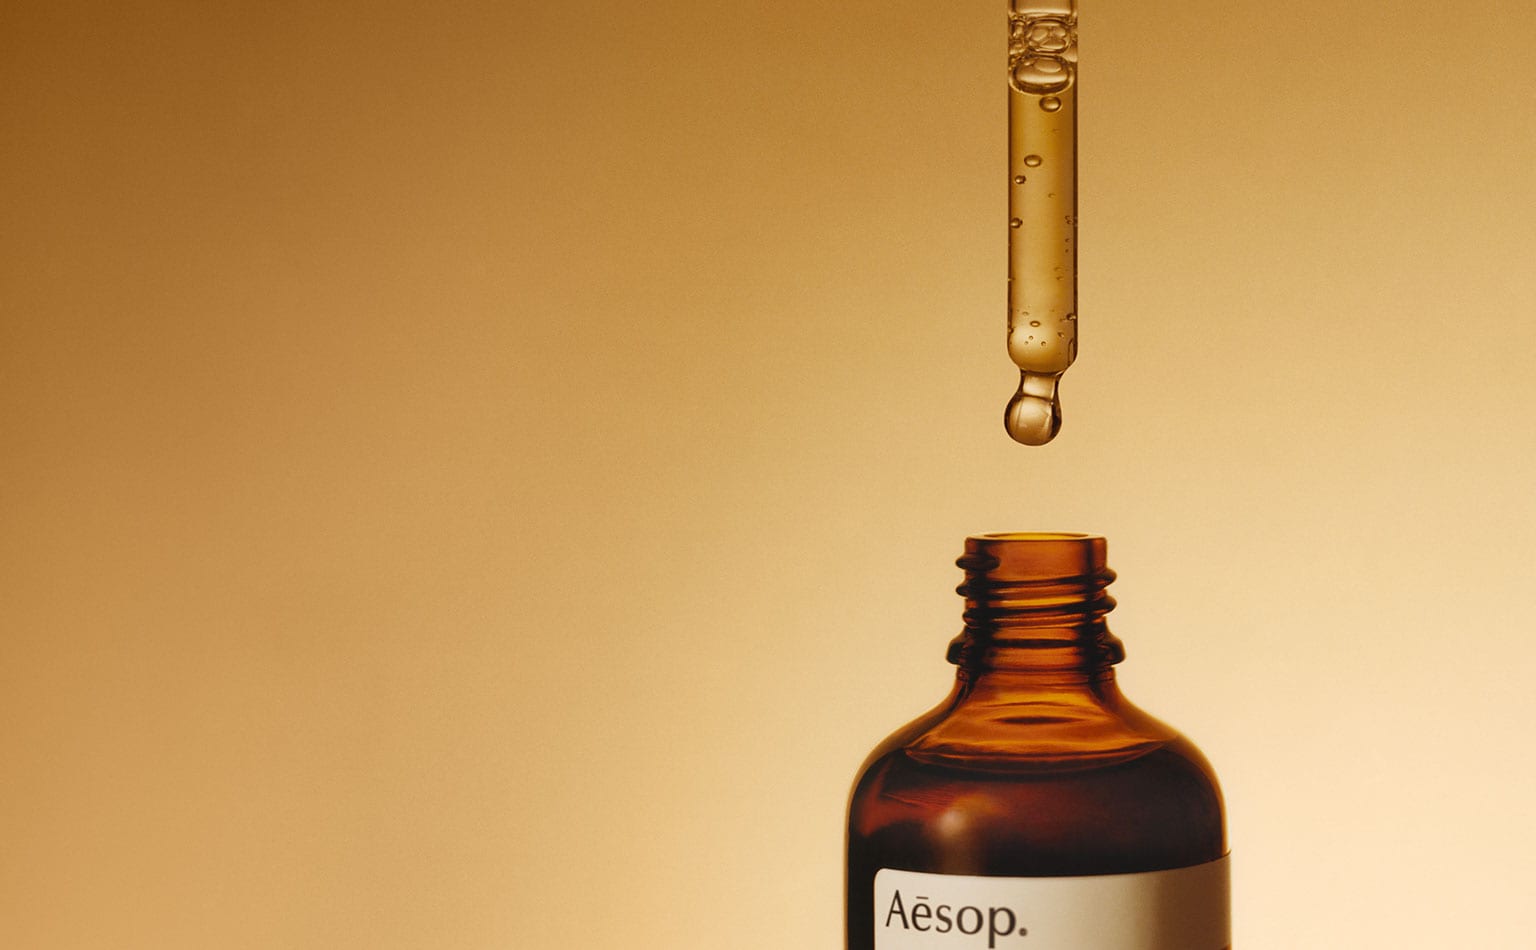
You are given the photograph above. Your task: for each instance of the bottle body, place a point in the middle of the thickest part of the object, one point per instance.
(1036, 780)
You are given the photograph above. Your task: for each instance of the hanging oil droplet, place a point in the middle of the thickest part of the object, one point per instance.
(1050, 104)
(1019, 179)
(1033, 416)
(1033, 161)
(1015, 223)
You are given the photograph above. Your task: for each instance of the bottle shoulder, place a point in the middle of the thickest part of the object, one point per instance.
(1155, 806)
(1001, 724)
(936, 740)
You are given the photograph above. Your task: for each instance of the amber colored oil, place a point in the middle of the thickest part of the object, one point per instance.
(1042, 211)
(1035, 765)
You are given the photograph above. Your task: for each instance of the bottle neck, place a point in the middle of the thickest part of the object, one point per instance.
(1034, 610)
(1036, 684)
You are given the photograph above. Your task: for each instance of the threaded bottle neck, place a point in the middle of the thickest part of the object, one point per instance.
(1036, 602)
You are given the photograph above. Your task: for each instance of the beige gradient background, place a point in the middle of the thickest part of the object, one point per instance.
(481, 475)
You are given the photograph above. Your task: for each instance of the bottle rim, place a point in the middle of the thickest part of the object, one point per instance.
(1043, 536)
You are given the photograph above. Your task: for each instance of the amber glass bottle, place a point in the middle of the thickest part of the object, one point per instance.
(1036, 808)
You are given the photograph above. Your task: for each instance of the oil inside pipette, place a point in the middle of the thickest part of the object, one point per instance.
(1042, 211)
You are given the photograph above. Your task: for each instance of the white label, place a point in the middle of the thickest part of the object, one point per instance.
(1182, 909)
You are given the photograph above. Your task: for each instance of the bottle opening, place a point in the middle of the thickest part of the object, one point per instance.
(1035, 536)
(1037, 556)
